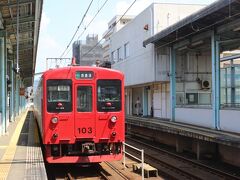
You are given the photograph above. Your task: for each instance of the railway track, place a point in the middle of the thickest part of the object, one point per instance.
(71, 171)
(173, 166)
(104, 170)
(114, 172)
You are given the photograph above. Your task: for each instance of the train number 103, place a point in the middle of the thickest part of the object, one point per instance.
(85, 130)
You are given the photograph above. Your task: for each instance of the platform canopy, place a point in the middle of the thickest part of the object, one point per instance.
(222, 16)
(27, 24)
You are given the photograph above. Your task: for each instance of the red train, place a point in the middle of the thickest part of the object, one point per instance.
(80, 113)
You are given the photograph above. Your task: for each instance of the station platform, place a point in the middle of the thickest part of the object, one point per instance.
(20, 152)
(187, 130)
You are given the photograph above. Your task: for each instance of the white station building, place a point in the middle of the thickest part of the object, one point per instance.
(147, 74)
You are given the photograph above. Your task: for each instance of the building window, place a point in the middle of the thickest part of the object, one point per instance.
(114, 56)
(126, 50)
(119, 54)
(195, 98)
(230, 84)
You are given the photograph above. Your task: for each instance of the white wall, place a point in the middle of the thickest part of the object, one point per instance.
(137, 70)
(199, 117)
(230, 120)
(162, 64)
(194, 65)
(139, 67)
(167, 14)
(126, 19)
(161, 101)
(192, 69)
(143, 66)
(189, 66)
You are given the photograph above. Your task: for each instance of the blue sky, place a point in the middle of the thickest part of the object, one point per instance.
(60, 19)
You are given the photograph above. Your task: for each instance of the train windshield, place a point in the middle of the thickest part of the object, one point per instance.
(59, 95)
(109, 95)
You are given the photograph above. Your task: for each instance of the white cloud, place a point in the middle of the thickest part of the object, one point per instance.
(45, 21)
(48, 42)
(48, 47)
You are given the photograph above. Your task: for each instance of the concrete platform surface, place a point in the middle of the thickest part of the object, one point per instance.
(187, 130)
(20, 152)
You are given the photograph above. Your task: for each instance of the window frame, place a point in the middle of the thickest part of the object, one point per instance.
(117, 105)
(113, 56)
(91, 99)
(119, 54)
(52, 106)
(126, 47)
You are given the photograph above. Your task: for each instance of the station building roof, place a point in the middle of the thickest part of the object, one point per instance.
(222, 16)
(28, 25)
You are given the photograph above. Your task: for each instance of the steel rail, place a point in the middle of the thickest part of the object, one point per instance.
(196, 164)
(69, 177)
(116, 170)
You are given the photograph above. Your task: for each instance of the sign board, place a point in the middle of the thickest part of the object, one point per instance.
(84, 75)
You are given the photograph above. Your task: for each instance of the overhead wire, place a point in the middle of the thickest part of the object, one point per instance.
(90, 23)
(93, 19)
(77, 28)
(110, 29)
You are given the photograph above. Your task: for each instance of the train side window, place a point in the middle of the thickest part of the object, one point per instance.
(84, 99)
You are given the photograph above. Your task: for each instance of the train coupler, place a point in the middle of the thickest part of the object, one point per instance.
(88, 148)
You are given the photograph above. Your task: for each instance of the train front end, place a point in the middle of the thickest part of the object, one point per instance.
(83, 115)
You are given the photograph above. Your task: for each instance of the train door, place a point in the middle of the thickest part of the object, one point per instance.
(84, 111)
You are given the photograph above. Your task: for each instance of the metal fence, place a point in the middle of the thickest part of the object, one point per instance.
(126, 153)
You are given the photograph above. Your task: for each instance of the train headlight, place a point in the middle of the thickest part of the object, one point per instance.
(113, 119)
(54, 120)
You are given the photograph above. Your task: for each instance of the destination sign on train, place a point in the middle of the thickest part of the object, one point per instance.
(84, 75)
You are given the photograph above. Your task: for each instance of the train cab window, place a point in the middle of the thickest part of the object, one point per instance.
(84, 99)
(59, 95)
(108, 95)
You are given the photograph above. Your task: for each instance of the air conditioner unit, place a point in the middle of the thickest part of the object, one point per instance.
(206, 84)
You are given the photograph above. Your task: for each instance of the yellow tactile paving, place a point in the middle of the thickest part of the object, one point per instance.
(3, 147)
(8, 156)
